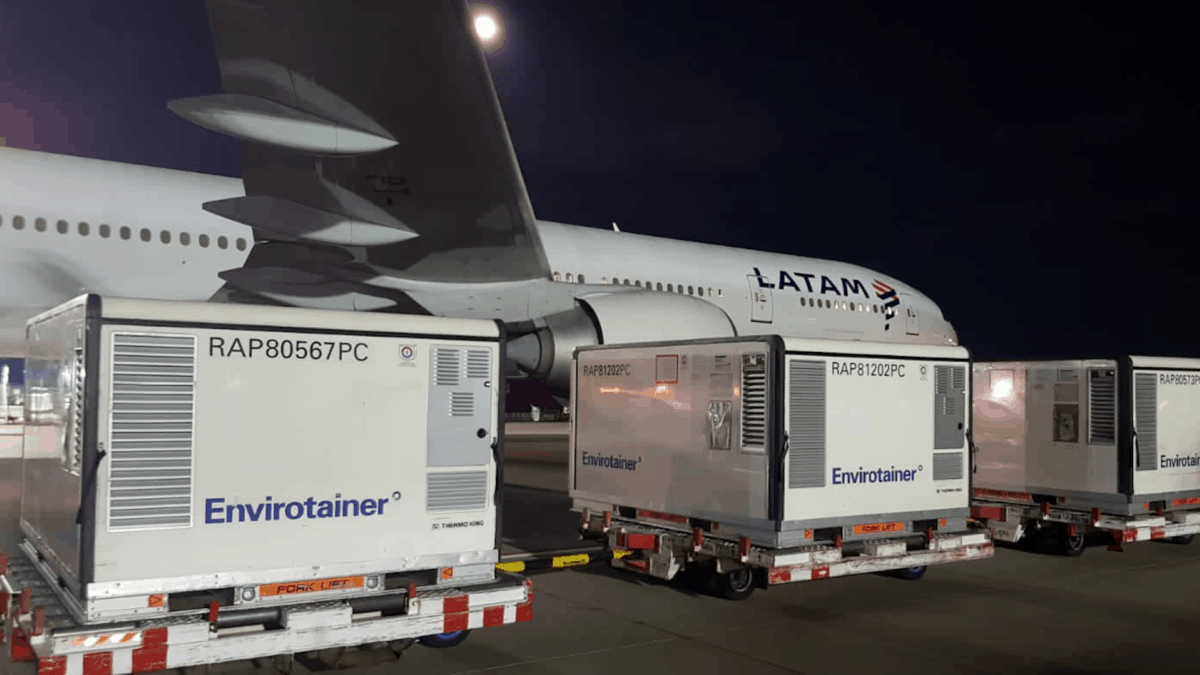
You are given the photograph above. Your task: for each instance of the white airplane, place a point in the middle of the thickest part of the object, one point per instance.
(378, 175)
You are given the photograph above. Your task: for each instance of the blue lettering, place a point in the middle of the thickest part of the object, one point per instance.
(786, 280)
(761, 281)
(807, 279)
(212, 507)
(217, 510)
(853, 286)
(880, 475)
(827, 286)
(610, 462)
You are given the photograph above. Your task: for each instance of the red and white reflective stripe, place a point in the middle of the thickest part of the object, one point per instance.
(97, 640)
(458, 614)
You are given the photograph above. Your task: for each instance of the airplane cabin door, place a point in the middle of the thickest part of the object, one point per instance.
(760, 301)
(912, 319)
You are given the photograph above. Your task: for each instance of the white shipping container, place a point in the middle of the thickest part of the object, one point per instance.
(1122, 435)
(191, 451)
(781, 440)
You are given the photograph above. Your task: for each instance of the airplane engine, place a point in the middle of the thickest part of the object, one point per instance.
(612, 318)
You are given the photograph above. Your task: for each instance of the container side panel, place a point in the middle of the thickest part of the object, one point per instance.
(880, 441)
(309, 451)
(1166, 412)
(999, 425)
(681, 446)
(52, 456)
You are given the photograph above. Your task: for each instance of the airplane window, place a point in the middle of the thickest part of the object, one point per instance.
(185, 238)
(145, 234)
(720, 292)
(691, 290)
(581, 278)
(105, 230)
(660, 285)
(19, 223)
(670, 288)
(204, 244)
(63, 227)
(604, 280)
(638, 283)
(804, 302)
(569, 278)
(241, 246)
(83, 229)
(876, 308)
(710, 292)
(125, 232)
(223, 241)
(627, 283)
(40, 224)
(165, 236)
(853, 308)
(1, 220)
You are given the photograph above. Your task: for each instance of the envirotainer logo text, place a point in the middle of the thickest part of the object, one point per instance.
(880, 475)
(611, 462)
(216, 511)
(1178, 461)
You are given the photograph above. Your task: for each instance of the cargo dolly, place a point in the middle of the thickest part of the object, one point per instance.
(1056, 523)
(736, 567)
(38, 628)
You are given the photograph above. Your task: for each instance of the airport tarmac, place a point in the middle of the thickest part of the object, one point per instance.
(1131, 612)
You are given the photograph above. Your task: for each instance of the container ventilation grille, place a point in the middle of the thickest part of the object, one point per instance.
(74, 439)
(1146, 420)
(446, 366)
(462, 404)
(457, 491)
(754, 405)
(947, 466)
(806, 426)
(479, 363)
(1102, 405)
(151, 431)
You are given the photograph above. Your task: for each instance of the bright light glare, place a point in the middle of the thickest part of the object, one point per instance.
(485, 26)
(1001, 388)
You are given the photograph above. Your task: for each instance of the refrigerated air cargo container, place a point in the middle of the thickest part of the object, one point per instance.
(1071, 448)
(330, 477)
(770, 459)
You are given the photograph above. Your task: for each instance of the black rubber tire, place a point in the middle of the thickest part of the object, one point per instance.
(1183, 539)
(1072, 547)
(912, 573)
(445, 640)
(735, 585)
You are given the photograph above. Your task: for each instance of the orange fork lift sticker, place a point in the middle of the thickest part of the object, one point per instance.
(874, 528)
(313, 586)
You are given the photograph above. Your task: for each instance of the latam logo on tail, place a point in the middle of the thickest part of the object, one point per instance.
(890, 300)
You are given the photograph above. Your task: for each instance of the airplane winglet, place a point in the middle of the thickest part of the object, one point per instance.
(615, 228)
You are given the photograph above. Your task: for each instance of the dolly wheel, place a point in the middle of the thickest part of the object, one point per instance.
(735, 585)
(912, 573)
(1072, 546)
(444, 640)
(1183, 539)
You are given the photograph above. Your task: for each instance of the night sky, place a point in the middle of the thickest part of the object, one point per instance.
(1031, 169)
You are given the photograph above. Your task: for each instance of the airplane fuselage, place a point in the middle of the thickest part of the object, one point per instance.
(70, 225)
